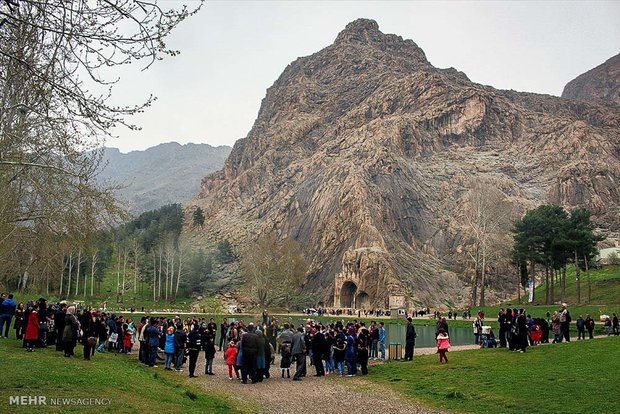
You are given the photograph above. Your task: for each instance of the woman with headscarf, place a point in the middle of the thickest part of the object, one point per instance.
(362, 349)
(70, 333)
(90, 329)
(19, 322)
(556, 328)
(350, 354)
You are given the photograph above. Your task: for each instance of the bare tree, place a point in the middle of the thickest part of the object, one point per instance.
(486, 215)
(57, 62)
(273, 270)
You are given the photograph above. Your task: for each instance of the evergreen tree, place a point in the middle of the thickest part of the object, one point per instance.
(198, 217)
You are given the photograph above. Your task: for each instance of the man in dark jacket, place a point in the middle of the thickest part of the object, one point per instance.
(410, 336)
(42, 314)
(103, 332)
(180, 341)
(59, 325)
(223, 330)
(249, 347)
(501, 319)
(153, 333)
(298, 353)
(194, 345)
(318, 343)
(112, 329)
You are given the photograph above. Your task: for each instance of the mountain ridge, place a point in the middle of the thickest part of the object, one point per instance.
(162, 174)
(358, 149)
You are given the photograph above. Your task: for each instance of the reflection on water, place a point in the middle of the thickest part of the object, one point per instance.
(426, 334)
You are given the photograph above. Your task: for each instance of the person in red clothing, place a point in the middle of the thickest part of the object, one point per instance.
(32, 329)
(231, 360)
(443, 344)
(127, 337)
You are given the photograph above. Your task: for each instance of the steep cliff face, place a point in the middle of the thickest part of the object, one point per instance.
(359, 151)
(601, 84)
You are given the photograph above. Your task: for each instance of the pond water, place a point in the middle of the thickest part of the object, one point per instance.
(426, 335)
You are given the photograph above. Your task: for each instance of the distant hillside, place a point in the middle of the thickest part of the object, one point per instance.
(166, 173)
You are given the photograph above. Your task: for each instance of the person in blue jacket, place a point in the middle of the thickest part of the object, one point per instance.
(7, 310)
(169, 347)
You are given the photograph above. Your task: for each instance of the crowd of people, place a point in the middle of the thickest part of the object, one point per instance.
(249, 350)
(518, 330)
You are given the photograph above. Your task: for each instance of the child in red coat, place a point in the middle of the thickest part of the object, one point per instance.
(127, 337)
(231, 360)
(443, 344)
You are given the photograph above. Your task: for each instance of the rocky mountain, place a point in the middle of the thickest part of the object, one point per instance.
(364, 152)
(164, 174)
(601, 84)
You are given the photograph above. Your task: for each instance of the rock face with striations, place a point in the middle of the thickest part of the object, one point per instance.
(358, 149)
(601, 84)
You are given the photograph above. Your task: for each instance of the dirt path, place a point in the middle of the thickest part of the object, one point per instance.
(312, 395)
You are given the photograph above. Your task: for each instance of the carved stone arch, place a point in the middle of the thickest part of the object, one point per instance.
(362, 301)
(348, 294)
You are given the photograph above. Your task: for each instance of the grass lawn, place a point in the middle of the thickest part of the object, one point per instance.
(132, 386)
(577, 377)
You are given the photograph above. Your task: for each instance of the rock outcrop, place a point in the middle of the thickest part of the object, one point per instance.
(361, 151)
(601, 84)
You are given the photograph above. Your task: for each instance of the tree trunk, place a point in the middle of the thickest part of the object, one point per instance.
(546, 285)
(176, 292)
(474, 289)
(577, 278)
(62, 274)
(85, 283)
(92, 273)
(69, 278)
(483, 277)
(77, 278)
(171, 273)
(585, 259)
(553, 279)
(154, 275)
(518, 284)
(135, 277)
(167, 274)
(533, 276)
(24, 281)
(118, 274)
(563, 281)
(159, 288)
(125, 258)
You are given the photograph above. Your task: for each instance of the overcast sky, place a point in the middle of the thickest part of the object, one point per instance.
(232, 51)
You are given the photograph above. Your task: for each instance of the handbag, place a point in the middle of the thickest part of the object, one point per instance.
(92, 340)
(113, 337)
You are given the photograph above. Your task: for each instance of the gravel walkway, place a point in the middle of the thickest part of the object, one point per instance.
(312, 395)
